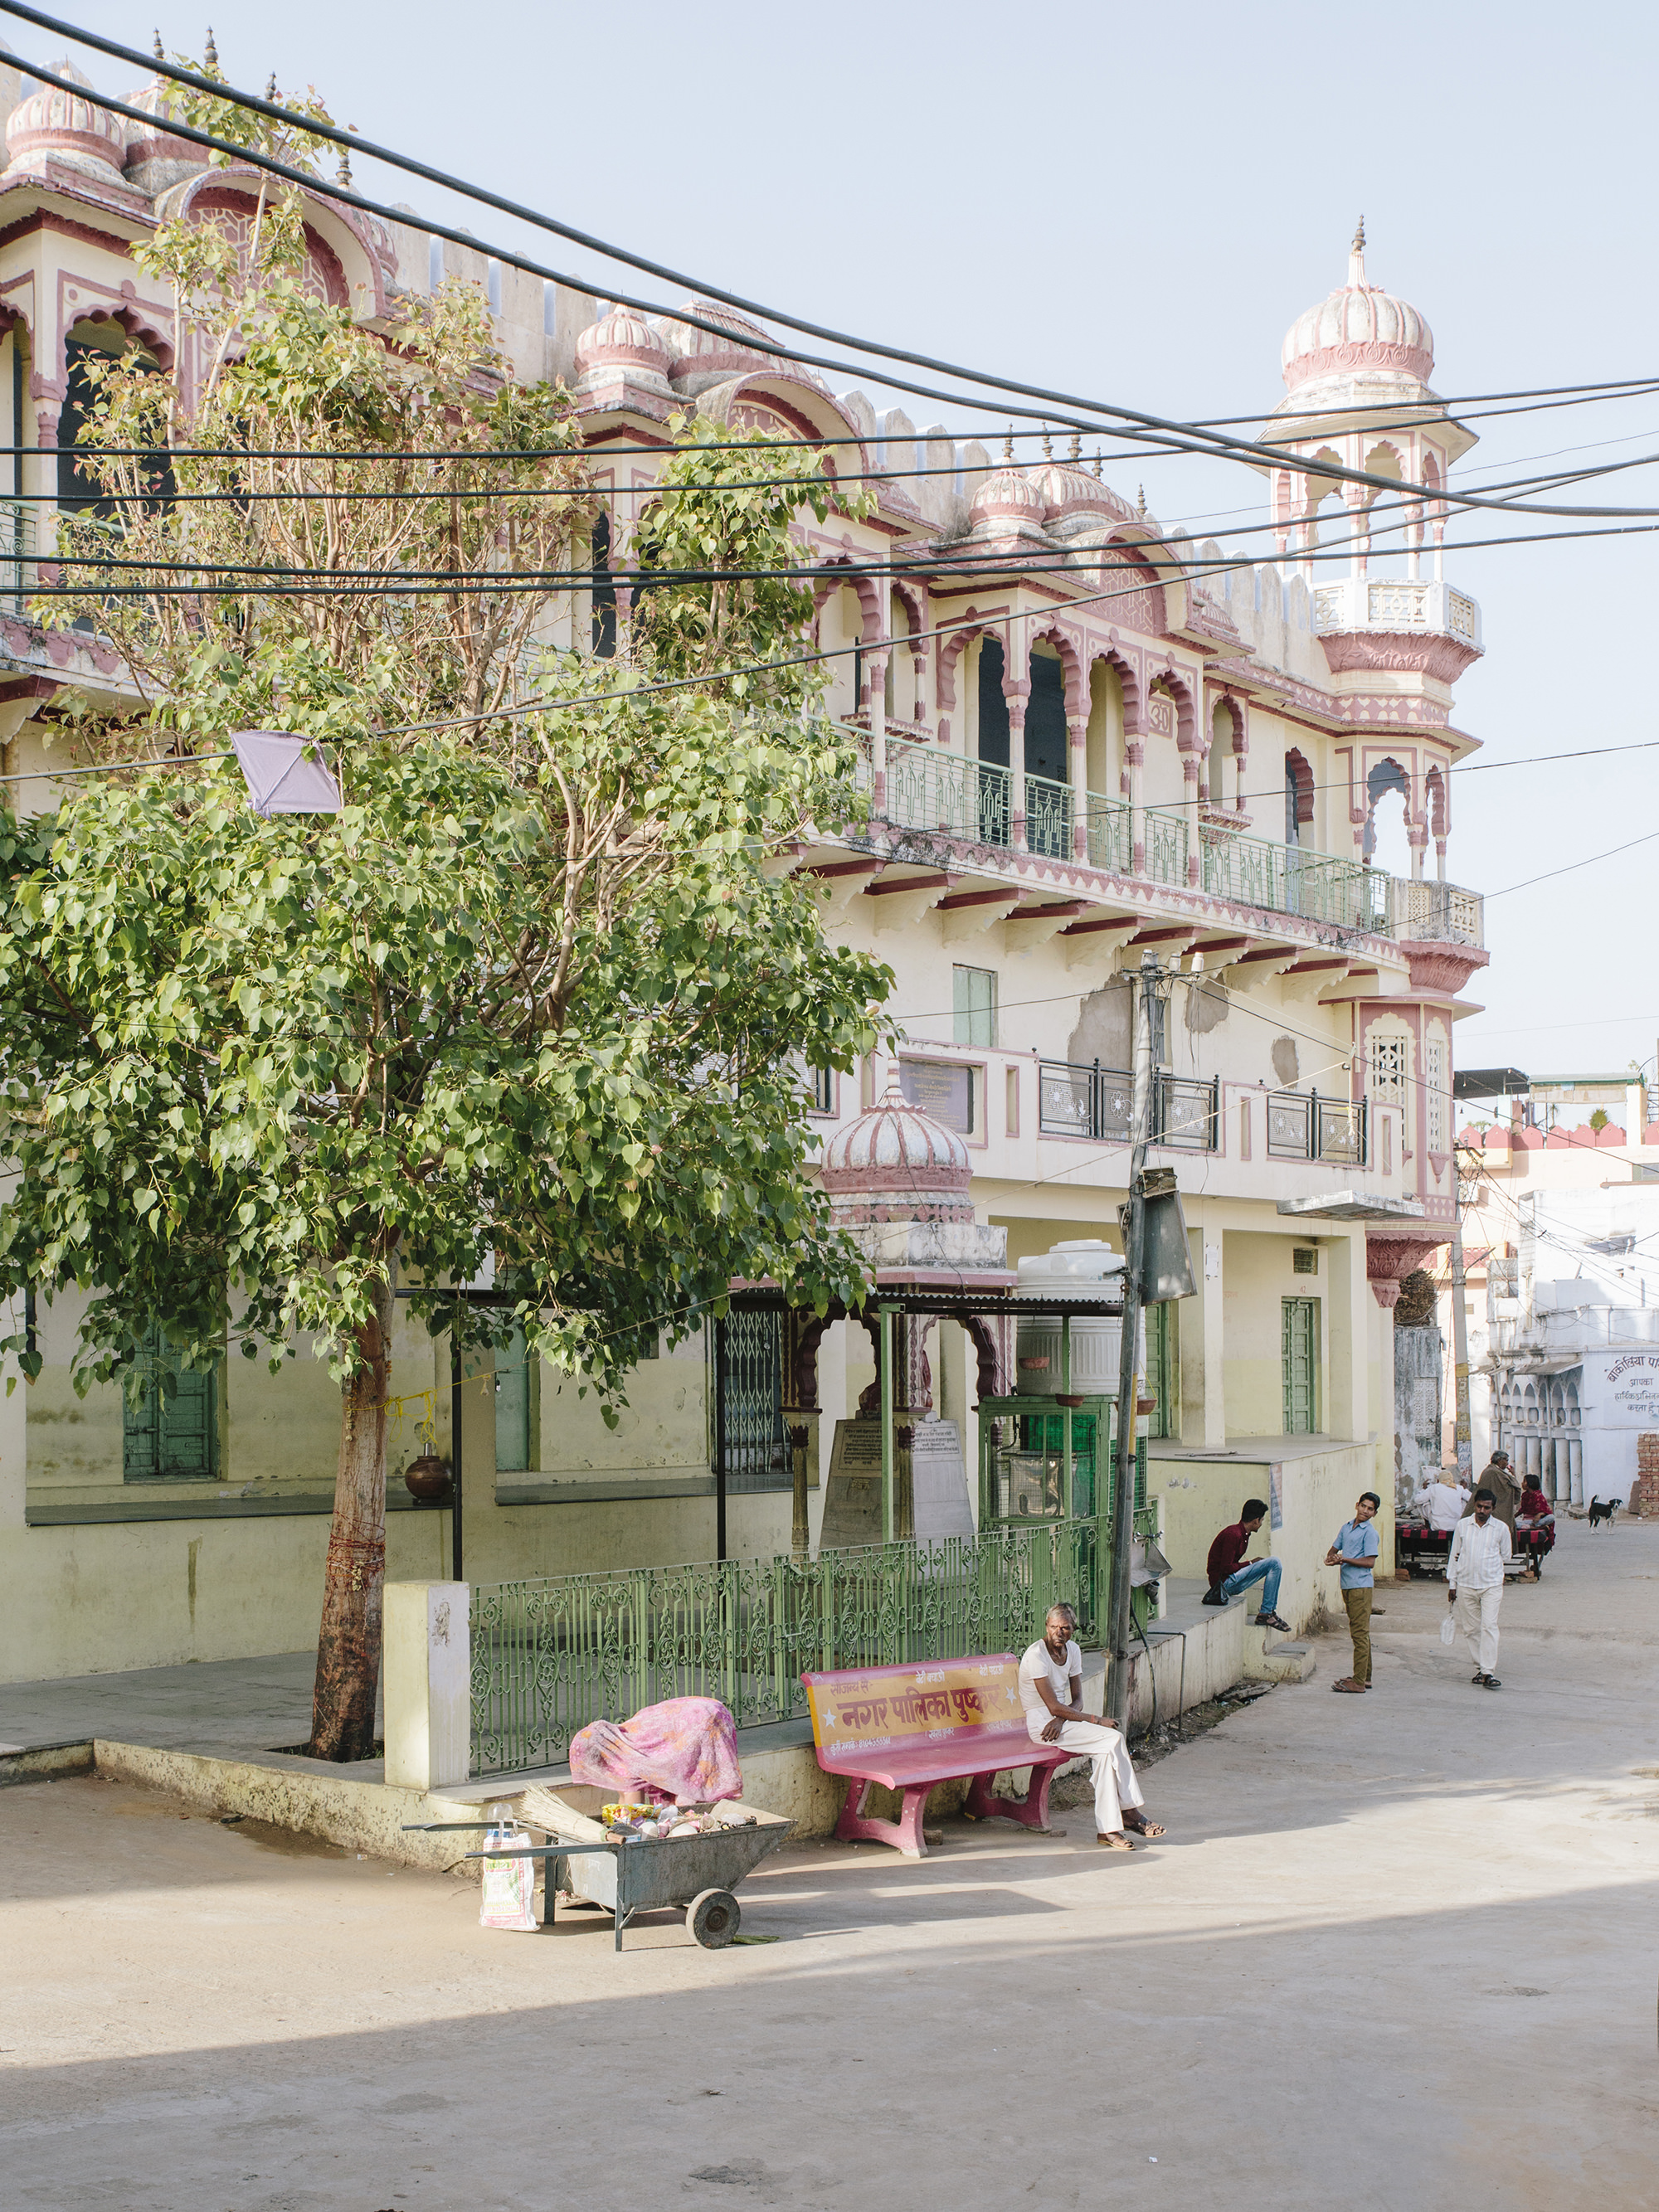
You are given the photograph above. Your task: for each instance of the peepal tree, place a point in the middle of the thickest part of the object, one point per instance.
(533, 992)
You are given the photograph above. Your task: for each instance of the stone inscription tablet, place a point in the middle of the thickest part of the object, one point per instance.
(852, 1498)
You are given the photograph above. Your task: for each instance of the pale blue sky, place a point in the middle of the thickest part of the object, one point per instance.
(1135, 205)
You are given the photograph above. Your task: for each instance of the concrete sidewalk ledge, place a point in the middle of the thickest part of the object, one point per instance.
(350, 1807)
(1189, 1658)
(40, 1762)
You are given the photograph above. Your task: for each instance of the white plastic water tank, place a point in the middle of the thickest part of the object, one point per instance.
(1080, 1268)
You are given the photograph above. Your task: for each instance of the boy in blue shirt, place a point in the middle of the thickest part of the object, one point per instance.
(1355, 1552)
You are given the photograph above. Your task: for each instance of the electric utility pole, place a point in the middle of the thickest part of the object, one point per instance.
(1134, 1241)
(1460, 1331)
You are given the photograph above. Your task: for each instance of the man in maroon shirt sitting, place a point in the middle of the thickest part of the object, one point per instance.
(1227, 1577)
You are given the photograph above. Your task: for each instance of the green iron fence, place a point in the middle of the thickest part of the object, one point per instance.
(550, 1657)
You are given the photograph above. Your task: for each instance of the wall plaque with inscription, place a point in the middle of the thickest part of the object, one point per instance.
(852, 1497)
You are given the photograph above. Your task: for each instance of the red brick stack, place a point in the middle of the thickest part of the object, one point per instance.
(1644, 1497)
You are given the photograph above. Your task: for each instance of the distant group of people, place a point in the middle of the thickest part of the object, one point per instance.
(1483, 1527)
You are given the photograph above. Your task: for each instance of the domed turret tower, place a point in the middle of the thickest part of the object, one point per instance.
(1356, 368)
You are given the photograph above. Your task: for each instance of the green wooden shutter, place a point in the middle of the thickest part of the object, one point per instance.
(1300, 1354)
(173, 1435)
(513, 1399)
(974, 1000)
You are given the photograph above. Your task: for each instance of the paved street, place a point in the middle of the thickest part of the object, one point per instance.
(1396, 1953)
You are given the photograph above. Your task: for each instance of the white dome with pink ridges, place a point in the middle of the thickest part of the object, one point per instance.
(897, 1164)
(68, 128)
(1359, 328)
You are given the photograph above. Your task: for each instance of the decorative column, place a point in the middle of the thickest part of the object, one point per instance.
(1241, 750)
(875, 665)
(1135, 753)
(1417, 836)
(1195, 821)
(919, 672)
(1077, 760)
(1017, 695)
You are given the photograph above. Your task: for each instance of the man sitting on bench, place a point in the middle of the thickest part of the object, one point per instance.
(1051, 1671)
(1229, 1577)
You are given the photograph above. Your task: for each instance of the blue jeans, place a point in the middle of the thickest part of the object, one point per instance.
(1265, 1571)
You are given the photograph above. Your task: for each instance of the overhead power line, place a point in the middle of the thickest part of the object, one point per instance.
(1192, 436)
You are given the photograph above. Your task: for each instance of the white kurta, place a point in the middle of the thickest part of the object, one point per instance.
(1475, 1571)
(1476, 1612)
(1114, 1770)
(1115, 1785)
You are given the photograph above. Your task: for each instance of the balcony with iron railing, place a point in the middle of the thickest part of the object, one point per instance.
(1083, 1099)
(930, 792)
(1305, 1127)
(19, 542)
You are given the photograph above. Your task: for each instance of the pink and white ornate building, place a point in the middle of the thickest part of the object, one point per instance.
(1084, 738)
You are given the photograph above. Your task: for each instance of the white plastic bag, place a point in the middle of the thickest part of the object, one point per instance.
(509, 1884)
(1448, 1629)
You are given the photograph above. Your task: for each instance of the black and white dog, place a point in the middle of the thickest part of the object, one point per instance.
(1603, 1509)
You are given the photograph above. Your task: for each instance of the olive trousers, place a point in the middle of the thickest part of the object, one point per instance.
(1358, 1605)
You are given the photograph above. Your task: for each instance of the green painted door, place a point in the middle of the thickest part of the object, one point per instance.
(1300, 1347)
(1163, 1368)
(171, 1435)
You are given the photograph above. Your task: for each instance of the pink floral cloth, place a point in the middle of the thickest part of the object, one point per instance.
(685, 1748)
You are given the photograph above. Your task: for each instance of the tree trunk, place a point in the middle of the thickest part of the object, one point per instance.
(348, 1644)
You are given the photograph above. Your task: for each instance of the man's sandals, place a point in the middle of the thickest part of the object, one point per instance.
(1137, 1825)
(1353, 1689)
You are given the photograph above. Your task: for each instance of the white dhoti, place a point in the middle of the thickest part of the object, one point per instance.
(1477, 1616)
(1115, 1785)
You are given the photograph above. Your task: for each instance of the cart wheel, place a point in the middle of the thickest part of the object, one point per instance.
(712, 1919)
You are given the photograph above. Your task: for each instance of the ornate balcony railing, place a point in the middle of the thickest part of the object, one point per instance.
(932, 790)
(1396, 604)
(550, 1657)
(1289, 880)
(18, 546)
(1080, 1099)
(1441, 913)
(1335, 1130)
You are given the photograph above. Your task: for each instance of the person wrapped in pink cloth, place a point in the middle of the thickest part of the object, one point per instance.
(685, 1748)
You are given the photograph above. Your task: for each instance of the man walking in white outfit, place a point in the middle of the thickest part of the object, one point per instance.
(1474, 1584)
(1051, 1690)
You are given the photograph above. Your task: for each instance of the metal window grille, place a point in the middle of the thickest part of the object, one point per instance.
(1434, 1084)
(1336, 1130)
(1076, 1099)
(1388, 1068)
(750, 1392)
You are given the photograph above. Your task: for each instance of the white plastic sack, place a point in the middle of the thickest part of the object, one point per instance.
(509, 1884)
(1448, 1629)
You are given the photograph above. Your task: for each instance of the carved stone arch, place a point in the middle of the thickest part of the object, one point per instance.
(1437, 798)
(130, 316)
(911, 599)
(1299, 779)
(1371, 492)
(952, 649)
(1432, 482)
(1072, 664)
(1387, 774)
(1129, 683)
(989, 1335)
(1186, 710)
(868, 598)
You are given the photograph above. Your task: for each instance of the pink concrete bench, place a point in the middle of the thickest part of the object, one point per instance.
(910, 1727)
